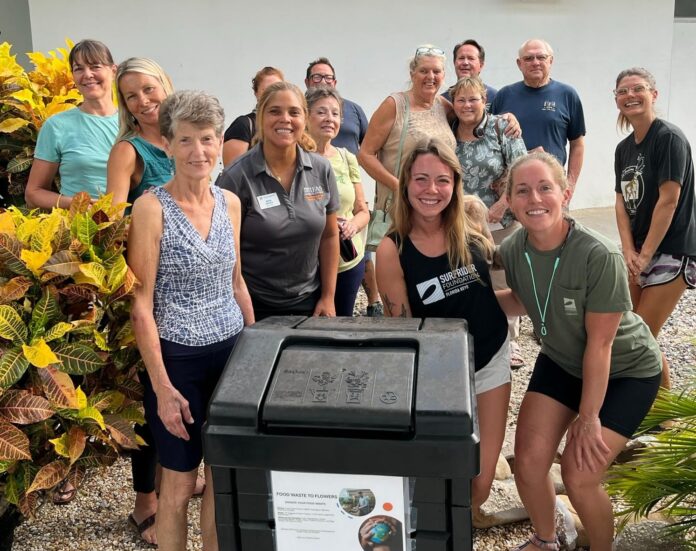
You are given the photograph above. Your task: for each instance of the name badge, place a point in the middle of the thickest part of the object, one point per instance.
(267, 201)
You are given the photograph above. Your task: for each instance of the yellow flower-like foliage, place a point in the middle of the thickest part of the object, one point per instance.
(26, 101)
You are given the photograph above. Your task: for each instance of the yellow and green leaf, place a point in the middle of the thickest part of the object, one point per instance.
(94, 414)
(78, 358)
(13, 365)
(57, 331)
(91, 273)
(34, 260)
(39, 354)
(12, 327)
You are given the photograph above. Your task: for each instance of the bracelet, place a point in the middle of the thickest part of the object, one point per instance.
(58, 201)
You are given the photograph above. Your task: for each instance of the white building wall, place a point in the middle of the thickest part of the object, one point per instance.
(680, 109)
(218, 45)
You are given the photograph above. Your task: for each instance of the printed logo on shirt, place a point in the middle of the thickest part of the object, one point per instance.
(314, 193)
(632, 186)
(569, 306)
(447, 284)
(549, 106)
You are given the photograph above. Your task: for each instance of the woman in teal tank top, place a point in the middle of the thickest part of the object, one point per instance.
(138, 160)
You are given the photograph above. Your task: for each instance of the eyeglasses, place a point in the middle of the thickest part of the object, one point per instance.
(538, 57)
(425, 50)
(317, 78)
(472, 101)
(637, 89)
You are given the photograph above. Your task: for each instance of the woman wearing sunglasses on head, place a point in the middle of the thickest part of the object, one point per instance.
(655, 203)
(404, 118)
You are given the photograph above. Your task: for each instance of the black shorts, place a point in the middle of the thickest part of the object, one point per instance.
(194, 371)
(626, 402)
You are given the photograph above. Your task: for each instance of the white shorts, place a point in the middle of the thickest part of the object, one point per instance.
(496, 372)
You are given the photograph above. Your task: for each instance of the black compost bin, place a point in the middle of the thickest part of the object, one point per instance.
(347, 396)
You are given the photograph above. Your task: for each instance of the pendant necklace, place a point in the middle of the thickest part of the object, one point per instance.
(542, 313)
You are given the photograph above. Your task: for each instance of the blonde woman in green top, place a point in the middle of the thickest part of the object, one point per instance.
(325, 111)
(599, 367)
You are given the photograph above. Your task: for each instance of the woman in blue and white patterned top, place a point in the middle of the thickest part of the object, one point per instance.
(190, 306)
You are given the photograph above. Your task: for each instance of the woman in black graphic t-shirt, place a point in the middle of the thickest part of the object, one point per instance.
(655, 204)
(435, 264)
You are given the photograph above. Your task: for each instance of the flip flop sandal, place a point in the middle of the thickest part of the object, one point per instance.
(541, 544)
(144, 525)
(61, 496)
(516, 359)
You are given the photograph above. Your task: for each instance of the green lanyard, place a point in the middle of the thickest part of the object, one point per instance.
(542, 314)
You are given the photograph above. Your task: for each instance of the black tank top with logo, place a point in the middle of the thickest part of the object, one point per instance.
(436, 291)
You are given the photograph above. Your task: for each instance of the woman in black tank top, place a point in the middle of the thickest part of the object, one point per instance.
(435, 263)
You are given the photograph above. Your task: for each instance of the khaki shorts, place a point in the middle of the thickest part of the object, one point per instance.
(496, 372)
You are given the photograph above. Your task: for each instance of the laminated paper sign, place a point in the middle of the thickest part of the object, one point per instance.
(339, 512)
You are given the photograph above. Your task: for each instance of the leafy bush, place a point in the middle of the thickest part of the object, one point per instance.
(68, 400)
(662, 476)
(26, 101)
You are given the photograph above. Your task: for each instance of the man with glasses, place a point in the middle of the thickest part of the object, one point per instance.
(469, 57)
(550, 112)
(320, 72)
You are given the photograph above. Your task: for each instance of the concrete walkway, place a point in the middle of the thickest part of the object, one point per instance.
(601, 219)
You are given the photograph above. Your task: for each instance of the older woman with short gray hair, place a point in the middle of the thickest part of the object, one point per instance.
(191, 303)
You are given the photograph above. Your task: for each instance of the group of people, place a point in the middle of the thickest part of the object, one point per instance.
(456, 174)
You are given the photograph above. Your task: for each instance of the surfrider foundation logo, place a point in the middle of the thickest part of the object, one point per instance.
(430, 291)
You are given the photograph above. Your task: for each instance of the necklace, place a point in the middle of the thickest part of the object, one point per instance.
(542, 313)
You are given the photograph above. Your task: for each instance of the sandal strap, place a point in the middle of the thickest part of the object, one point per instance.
(545, 544)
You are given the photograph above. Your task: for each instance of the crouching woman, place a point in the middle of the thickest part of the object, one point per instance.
(599, 367)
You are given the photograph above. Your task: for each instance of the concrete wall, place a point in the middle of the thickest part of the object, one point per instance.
(219, 45)
(683, 84)
(15, 28)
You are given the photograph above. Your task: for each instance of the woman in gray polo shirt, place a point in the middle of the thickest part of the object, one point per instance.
(289, 237)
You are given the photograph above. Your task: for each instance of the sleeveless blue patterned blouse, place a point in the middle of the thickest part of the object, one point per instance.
(194, 302)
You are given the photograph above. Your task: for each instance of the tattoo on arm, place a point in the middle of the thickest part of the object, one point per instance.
(389, 305)
(391, 308)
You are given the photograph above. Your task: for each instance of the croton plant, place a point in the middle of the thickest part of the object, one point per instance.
(68, 398)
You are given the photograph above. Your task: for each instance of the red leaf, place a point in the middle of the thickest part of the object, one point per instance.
(14, 444)
(22, 408)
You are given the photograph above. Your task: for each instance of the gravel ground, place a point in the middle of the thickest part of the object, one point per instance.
(96, 519)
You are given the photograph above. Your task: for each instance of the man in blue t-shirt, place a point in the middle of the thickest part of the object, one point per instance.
(320, 72)
(549, 111)
(469, 57)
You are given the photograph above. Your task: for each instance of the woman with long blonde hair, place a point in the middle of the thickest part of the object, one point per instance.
(435, 263)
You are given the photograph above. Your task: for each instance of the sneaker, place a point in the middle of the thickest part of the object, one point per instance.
(375, 310)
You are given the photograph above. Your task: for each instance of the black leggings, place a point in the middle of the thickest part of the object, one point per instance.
(144, 462)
